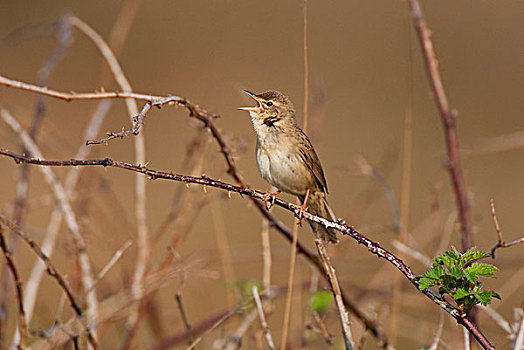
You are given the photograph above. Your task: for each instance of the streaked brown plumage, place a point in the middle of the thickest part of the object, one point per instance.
(286, 158)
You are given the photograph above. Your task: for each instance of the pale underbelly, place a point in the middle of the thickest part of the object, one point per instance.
(286, 172)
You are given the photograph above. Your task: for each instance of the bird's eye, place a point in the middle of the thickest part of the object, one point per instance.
(269, 104)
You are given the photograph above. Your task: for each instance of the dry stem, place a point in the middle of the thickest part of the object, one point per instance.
(22, 328)
(207, 119)
(289, 294)
(52, 271)
(140, 184)
(262, 317)
(448, 120)
(178, 298)
(335, 287)
(372, 246)
(65, 206)
(501, 243)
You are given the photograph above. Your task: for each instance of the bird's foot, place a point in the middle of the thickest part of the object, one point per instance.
(269, 195)
(302, 209)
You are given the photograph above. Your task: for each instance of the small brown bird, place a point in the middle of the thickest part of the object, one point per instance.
(286, 158)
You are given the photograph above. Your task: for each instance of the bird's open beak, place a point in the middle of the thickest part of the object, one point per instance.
(254, 97)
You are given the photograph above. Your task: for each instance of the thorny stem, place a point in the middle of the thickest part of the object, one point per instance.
(448, 120)
(53, 272)
(206, 118)
(341, 226)
(22, 327)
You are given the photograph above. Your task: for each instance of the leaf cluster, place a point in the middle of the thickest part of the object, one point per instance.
(456, 274)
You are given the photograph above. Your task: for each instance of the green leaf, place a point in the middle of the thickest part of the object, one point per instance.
(438, 261)
(472, 254)
(454, 253)
(483, 297)
(472, 277)
(495, 295)
(456, 272)
(437, 272)
(321, 300)
(481, 269)
(450, 275)
(450, 259)
(425, 283)
(461, 293)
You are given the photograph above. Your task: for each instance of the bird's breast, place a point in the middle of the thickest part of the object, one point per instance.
(280, 164)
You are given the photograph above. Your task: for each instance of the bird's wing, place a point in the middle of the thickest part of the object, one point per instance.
(309, 157)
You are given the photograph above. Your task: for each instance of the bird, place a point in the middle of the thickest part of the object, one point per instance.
(287, 160)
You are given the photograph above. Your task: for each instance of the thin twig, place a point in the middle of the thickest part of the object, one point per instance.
(289, 293)
(262, 317)
(372, 246)
(140, 183)
(227, 315)
(448, 120)
(333, 281)
(116, 306)
(501, 243)
(224, 248)
(495, 316)
(62, 32)
(415, 254)
(235, 339)
(112, 262)
(322, 328)
(518, 344)
(197, 328)
(466, 339)
(178, 298)
(22, 328)
(207, 119)
(48, 244)
(52, 271)
(65, 206)
(367, 169)
(438, 334)
(266, 255)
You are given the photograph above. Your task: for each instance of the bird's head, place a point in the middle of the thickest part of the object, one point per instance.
(273, 109)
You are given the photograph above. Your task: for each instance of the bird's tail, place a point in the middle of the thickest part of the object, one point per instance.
(317, 205)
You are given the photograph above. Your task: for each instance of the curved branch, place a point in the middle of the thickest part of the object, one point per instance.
(448, 120)
(341, 226)
(206, 118)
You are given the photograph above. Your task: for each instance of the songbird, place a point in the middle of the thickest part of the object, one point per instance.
(287, 160)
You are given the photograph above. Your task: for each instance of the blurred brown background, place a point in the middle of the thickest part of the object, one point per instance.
(365, 71)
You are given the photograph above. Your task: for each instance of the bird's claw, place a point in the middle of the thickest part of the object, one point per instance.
(300, 215)
(269, 195)
(302, 209)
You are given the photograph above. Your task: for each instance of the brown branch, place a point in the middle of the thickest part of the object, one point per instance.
(241, 330)
(178, 298)
(289, 292)
(335, 287)
(62, 32)
(22, 328)
(341, 226)
(501, 243)
(201, 327)
(262, 317)
(448, 120)
(64, 203)
(53, 272)
(207, 119)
